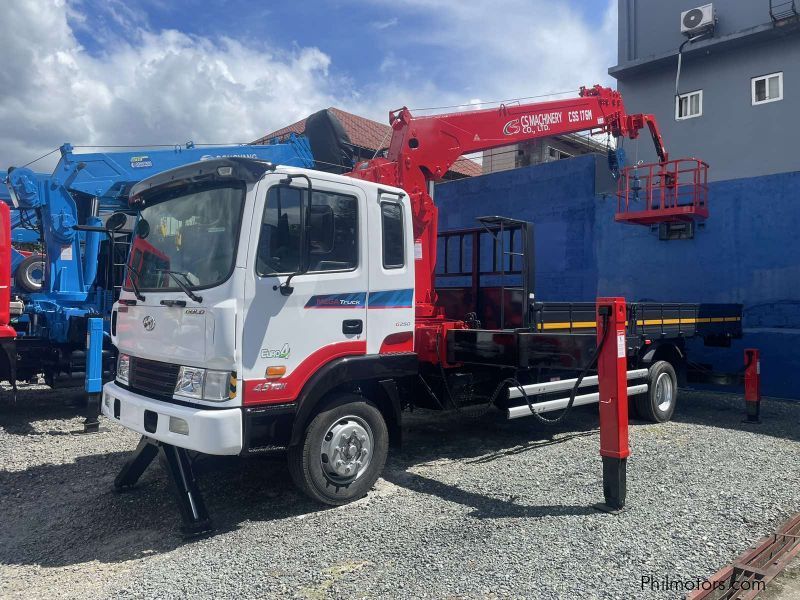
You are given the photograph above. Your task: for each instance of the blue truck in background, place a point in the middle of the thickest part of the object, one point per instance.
(77, 272)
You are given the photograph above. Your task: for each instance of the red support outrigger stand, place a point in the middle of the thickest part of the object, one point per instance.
(612, 374)
(752, 385)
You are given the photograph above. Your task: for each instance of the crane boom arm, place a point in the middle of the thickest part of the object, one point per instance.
(438, 141)
(423, 149)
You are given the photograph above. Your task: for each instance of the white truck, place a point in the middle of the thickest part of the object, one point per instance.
(275, 307)
(228, 333)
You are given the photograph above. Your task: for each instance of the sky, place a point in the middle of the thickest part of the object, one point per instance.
(111, 72)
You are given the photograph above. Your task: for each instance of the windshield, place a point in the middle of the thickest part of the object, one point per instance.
(191, 232)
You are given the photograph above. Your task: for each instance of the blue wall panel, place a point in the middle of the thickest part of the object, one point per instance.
(747, 252)
(558, 198)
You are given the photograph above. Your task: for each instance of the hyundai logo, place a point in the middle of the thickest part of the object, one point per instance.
(149, 323)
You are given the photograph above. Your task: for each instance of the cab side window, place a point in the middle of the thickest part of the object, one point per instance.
(279, 243)
(331, 226)
(393, 239)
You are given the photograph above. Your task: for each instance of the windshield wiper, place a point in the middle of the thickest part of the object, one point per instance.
(184, 288)
(134, 285)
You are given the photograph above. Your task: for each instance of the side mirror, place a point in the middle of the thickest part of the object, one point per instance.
(143, 228)
(116, 221)
(286, 288)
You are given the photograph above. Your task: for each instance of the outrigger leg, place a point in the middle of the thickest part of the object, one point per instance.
(176, 462)
(93, 383)
(612, 368)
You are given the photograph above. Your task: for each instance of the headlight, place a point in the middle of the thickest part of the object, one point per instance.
(123, 368)
(190, 382)
(202, 384)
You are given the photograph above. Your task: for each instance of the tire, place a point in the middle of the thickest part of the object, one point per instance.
(658, 404)
(313, 463)
(29, 275)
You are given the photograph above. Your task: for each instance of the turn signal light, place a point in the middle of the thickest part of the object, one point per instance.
(279, 371)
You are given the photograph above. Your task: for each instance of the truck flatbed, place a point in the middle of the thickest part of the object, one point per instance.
(487, 278)
(563, 334)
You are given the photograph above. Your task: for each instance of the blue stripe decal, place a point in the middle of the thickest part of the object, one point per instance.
(355, 300)
(391, 299)
(384, 299)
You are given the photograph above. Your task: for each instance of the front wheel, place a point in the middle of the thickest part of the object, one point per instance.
(342, 452)
(658, 404)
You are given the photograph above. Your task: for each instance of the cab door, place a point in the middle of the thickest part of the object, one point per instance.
(288, 336)
(390, 317)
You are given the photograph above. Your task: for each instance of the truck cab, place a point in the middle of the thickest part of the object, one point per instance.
(268, 307)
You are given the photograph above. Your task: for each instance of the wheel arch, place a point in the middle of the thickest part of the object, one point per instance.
(670, 351)
(374, 376)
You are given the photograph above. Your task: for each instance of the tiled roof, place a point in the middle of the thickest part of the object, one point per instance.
(367, 134)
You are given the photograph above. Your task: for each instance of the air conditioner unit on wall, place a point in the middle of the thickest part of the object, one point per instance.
(698, 19)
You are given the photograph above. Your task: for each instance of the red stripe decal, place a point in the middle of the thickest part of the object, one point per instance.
(286, 389)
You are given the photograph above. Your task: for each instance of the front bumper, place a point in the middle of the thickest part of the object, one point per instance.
(212, 431)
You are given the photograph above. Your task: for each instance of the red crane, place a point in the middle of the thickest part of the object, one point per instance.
(423, 149)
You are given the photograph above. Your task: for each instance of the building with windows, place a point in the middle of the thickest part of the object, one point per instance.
(737, 93)
(739, 80)
(540, 151)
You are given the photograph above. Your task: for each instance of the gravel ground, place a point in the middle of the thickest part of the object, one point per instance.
(472, 507)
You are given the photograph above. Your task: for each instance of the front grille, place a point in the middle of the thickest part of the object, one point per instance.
(153, 378)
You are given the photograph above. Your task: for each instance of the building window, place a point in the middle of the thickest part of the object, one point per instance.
(767, 88)
(688, 106)
(556, 154)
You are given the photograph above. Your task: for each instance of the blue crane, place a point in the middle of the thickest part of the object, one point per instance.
(81, 260)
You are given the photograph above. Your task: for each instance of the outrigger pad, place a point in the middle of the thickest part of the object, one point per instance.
(615, 485)
(91, 423)
(184, 485)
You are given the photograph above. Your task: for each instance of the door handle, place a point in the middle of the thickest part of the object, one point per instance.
(352, 326)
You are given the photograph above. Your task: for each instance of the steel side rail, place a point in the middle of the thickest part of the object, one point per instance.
(535, 389)
(516, 412)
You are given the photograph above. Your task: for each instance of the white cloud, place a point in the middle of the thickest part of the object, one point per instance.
(381, 25)
(168, 87)
(522, 48)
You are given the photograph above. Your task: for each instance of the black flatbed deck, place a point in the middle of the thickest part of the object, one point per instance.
(562, 335)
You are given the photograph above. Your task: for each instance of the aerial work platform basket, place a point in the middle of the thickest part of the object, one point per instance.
(672, 191)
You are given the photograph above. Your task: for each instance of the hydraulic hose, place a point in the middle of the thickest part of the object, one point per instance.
(573, 393)
(515, 382)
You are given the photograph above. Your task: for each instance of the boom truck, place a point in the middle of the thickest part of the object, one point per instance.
(293, 309)
(78, 274)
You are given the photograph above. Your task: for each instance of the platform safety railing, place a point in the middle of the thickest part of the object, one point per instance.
(676, 190)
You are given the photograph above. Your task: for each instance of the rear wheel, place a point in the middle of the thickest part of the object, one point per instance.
(658, 404)
(342, 452)
(30, 273)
